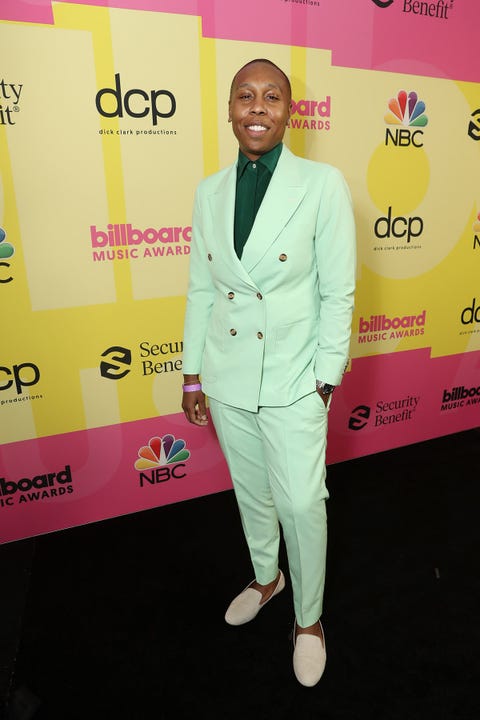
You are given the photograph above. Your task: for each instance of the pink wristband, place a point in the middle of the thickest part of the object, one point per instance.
(192, 388)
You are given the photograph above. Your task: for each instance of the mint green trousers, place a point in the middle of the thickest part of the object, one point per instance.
(276, 458)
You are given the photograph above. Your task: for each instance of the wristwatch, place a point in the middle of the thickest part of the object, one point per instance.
(325, 388)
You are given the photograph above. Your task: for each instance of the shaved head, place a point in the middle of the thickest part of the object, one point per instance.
(265, 62)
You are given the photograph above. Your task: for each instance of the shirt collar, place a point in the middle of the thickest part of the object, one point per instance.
(269, 160)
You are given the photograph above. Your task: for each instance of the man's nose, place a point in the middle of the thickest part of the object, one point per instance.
(258, 106)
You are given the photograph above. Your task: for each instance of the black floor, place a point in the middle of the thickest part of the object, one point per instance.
(124, 618)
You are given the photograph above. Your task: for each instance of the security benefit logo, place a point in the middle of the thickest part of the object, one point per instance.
(125, 242)
(136, 103)
(40, 487)
(311, 114)
(438, 10)
(10, 94)
(117, 362)
(16, 382)
(405, 116)
(383, 413)
(163, 459)
(474, 125)
(6, 252)
(150, 358)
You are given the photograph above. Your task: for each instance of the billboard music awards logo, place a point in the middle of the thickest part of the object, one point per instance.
(40, 487)
(381, 327)
(151, 359)
(406, 113)
(155, 105)
(161, 460)
(438, 9)
(125, 242)
(9, 102)
(385, 412)
(6, 252)
(459, 397)
(310, 114)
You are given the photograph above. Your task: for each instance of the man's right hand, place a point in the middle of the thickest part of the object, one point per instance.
(193, 403)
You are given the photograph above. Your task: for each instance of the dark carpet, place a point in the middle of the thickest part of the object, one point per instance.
(124, 618)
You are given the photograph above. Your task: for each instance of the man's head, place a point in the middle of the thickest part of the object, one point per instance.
(259, 107)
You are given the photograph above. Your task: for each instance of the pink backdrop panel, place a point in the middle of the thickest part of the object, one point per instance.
(392, 400)
(102, 480)
(360, 34)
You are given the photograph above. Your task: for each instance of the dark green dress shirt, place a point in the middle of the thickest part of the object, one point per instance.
(253, 179)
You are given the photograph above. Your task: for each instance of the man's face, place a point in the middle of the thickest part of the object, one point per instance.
(259, 109)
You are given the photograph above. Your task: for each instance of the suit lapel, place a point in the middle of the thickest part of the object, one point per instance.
(222, 208)
(284, 194)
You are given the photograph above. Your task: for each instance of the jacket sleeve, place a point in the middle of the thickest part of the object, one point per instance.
(336, 257)
(199, 297)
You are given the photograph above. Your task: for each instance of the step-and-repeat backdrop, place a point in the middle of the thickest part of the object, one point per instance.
(110, 114)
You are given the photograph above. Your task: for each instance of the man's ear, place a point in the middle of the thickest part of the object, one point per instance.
(289, 110)
(229, 113)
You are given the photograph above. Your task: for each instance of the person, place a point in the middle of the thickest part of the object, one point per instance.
(267, 329)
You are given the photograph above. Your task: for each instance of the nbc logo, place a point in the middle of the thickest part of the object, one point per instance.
(476, 232)
(405, 111)
(162, 459)
(6, 251)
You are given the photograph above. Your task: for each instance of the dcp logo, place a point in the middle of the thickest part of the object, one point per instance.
(158, 103)
(119, 365)
(471, 314)
(398, 227)
(474, 125)
(359, 417)
(21, 376)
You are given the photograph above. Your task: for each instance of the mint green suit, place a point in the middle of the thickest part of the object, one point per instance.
(260, 331)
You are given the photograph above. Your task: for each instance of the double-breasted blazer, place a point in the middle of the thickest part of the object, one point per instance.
(262, 329)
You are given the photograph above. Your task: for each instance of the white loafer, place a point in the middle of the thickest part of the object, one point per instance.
(309, 658)
(248, 604)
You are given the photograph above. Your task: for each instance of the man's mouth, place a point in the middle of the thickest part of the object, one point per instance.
(257, 128)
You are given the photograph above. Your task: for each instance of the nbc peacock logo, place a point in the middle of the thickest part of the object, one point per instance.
(161, 460)
(406, 113)
(6, 249)
(406, 110)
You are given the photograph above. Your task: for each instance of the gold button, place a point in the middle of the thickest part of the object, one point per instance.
(209, 257)
(260, 335)
(231, 295)
(260, 296)
(233, 331)
(282, 257)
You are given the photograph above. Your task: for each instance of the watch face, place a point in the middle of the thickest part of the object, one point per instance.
(327, 389)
